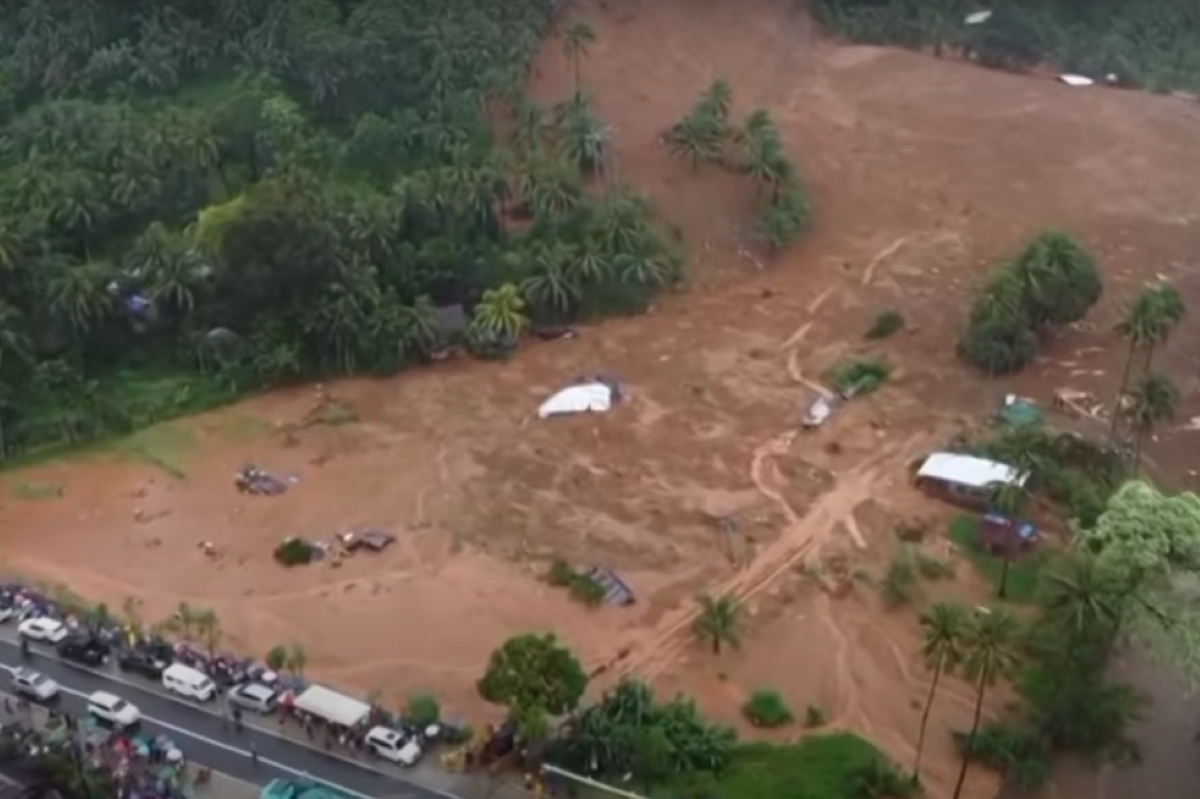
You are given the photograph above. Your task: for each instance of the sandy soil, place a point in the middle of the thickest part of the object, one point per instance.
(923, 172)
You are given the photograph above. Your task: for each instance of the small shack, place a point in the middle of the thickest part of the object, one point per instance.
(332, 707)
(964, 479)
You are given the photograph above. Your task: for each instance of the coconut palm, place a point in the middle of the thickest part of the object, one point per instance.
(1009, 498)
(1082, 601)
(988, 654)
(1154, 401)
(80, 295)
(1059, 279)
(718, 622)
(185, 620)
(576, 40)
(208, 627)
(697, 137)
(942, 628)
(1147, 325)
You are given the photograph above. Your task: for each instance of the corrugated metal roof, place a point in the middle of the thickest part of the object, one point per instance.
(967, 470)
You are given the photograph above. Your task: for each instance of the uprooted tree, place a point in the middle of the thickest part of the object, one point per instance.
(535, 677)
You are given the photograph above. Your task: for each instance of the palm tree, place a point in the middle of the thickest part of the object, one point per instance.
(208, 627)
(131, 611)
(718, 622)
(1010, 498)
(642, 270)
(277, 658)
(79, 293)
(988, 654)
(717, 99)
(697, 137)
(576, 40)
(500, 315)
(1082, 601)
(942, 627)
(1155, 400)
(1147, 325)
(550, 285)
(297, 659)
(13, 341)
(185, 620)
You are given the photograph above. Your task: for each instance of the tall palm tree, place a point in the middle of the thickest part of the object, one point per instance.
(988, 654)
(576, 41)
(1010, 498)
(719, 621)
(79, 294)
(942, 629)
(1082, 600)
(1155, 400)
(1147, 325)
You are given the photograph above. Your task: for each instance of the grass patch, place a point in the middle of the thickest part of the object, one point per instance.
(244, 428)
(818, 767)
(165, 447)
(767, 708)
(933, 569)
(1023, 572)
(859, 376)
(885, 325)
(38, 491)
(900, 582)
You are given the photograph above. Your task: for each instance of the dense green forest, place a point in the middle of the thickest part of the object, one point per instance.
(204, 197)
(1153, 44)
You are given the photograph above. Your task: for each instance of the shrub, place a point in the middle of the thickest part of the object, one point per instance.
(1059, 279)
(911, 532)
(587, 590)
(886, 324)
(1018, 754)
(560, 574)
(998, 345)
(293, 552)
(813, 716)
(422, 710)
(900, 581)
(861, 376)
(934, 569)
(880, 778)
(767, 708)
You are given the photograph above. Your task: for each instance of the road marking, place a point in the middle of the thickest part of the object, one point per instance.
(265, 730)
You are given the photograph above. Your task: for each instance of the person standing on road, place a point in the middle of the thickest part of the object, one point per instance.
(253, 753)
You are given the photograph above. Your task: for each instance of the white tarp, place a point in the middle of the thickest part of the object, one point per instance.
(332, 706)
(1076, 80)
(594, 397)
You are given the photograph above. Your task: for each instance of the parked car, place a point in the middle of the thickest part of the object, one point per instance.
(34, 685)
(254, 696)
(43, 628)
(186, 681)
(7, 612)
(113, 709)
(393, 745)
(143, 662)
(84, 649)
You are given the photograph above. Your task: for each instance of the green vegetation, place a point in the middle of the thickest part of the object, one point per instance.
(38, 491)
(900, 581)
(421, 710)
(755, 149)
(718, 622)
(859, 376)
(1052, 281)
(535, 677)
(767, 708)
(887, 324)
(1147, 43)
(814, 717)
(201, 200)
(1019, 576)
(582, 586)
(293, 552)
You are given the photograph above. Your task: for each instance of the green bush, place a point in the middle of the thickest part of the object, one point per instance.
(293, 552)
(560, 573)
(766, 708)
(886, 324)
(814, 717)
(1018, 754)
(900, 581)
(586, 589)
(999, 346)
(422, 710)
(932, 568)
(1024, 571)
(859, 376)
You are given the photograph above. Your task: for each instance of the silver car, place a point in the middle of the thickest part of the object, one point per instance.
(254, 696)
(34, 685)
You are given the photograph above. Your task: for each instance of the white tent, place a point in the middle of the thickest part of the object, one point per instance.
(332, 707)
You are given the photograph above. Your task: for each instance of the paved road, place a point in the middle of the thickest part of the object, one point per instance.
(205, 739)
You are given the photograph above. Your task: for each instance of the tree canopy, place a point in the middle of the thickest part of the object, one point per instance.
(198, 199)
(534, 673)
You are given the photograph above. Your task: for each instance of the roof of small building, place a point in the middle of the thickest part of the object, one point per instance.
(968, 470)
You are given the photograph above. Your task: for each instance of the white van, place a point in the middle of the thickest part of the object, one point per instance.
(186, 681)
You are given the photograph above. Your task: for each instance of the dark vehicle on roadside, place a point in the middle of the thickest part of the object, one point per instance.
(144, 661)
(84, 649)
(374, 540)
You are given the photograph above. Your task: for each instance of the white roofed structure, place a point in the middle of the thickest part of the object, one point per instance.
(332, 707)
(968, 471)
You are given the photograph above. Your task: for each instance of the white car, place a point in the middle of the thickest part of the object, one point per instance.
(113, 709)
(34, 684)
(43, 628)
(391, 745)
(7, 613)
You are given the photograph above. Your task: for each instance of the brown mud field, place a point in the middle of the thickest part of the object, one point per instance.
(923, 171)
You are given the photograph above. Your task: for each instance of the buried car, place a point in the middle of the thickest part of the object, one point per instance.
(374, 540)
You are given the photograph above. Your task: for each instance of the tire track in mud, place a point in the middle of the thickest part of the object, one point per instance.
(801, 534)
